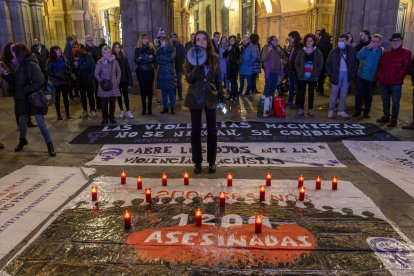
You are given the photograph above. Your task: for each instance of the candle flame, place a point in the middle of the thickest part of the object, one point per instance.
(94, 189)
(164, 175)
(198, 212)
(334, 178)
(318, 178)
(139, 178)
(258, 219)
(148, 191)
(302, 190)
(262, 188)
(229, 176)
(185, 175)
(123, 173)
(127, 214)
(268, 175)
(300, 177)
(222, 195)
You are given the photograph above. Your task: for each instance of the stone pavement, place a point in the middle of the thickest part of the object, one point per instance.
(394, 202)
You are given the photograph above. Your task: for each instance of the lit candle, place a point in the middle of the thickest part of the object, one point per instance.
(198, 216)
(123, 177)
(318, 183)
(94, 191)
(229, 179)
(222, 197)
(268, 179)
(139, 182)
(258, 224)
(262, 193)
(148, 195)
(302, 193)
(186, 178)
(334, 183)
(127, 219)
(164, 179)
(300, 181)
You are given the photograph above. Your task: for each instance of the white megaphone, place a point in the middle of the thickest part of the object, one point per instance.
(197, 55)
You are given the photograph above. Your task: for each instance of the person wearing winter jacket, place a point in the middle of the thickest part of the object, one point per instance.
(325, 45)
(108, 75)
(126, 80)
(223, 62)
(233, 55)
(144, 58)
(28, 79)
(41, 53)
(308, 66)
(393, 67)
(249, 55)
(296, 42)
(180, 55)
(58, 71)
(167, 78)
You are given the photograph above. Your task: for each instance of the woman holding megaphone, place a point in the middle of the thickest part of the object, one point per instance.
(202, 72)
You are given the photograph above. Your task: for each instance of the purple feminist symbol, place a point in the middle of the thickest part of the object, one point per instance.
(94, 136)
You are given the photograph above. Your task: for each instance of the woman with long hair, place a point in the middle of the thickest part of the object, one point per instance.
(223, 45)
(144, 58)
(204, 92)
(167, 78)
(58, 71)
(126, 79)
(232, 55)
(28, 79)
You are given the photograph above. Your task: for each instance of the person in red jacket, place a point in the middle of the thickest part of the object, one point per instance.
(393, 67)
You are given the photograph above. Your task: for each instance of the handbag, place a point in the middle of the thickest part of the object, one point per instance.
(44, 97)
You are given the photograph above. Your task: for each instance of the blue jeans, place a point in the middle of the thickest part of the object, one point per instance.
(225, 80)
(249, 84)
(343, 87)
(270, 84)
(168, 93)
(40, 120)
(388, 92)
(293, 86)
(180, 84)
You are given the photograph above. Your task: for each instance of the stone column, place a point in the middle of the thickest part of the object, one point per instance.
(6, 32)
(38, 20)
(17, 24)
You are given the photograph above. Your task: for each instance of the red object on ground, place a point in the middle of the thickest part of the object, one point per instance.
(279, 104)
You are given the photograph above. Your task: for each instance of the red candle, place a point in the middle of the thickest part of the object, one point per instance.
(229, 179)
(139, 182)
(186, 178)
(268, 179)
(222, 197)
(258, 224)
(334, 183)
(302, 193)
(148, 195)
(94, 191)
(262, 193)
(123, 177)
(127, 219)
(198, 215)
(318, 183)
(164, 179)
(300, 181)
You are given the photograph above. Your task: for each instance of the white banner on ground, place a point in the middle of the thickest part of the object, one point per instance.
(29, 195)
(392, 160)
(228, 154)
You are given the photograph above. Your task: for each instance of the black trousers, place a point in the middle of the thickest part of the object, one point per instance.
(62, 91)
(108, 104)
(196, 124)
(97, 99)
(146, 83)
(365, 90)
(123, 88)
(91, 98)
(302, 92)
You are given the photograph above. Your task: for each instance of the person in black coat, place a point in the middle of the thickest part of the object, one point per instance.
(96, 54)
(215, 42)
(180, 54)
(126, 79)
(68, 52)
(166, 79)
(28, 79)
(41, 52)
(204, 92)
(144, 58)
(297, 45)
(233, 54)
(325, 46)
(189, 44)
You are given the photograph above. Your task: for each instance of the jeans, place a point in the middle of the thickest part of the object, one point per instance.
(40, 120)
(342, 86)
(180, 84)
(270, 84)
(388, 92)
(225, 80)
(123, 87)
(364, 92)
(249, 84)
(168, 93)
(302, 92)
(196, 125)
(293, 86)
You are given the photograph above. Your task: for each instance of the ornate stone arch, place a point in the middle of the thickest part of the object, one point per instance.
(268, 23)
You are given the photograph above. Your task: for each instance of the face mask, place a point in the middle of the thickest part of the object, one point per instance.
(341, 45)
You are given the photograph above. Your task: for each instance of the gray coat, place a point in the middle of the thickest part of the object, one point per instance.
(333, 64)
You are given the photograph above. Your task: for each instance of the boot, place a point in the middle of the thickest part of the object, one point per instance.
(51, 149)
(172, 111)
(22, 142)
(165, 111)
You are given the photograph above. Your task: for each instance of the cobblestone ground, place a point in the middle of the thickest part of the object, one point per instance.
(73, 244)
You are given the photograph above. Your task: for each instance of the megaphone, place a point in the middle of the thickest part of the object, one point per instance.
(197, 55)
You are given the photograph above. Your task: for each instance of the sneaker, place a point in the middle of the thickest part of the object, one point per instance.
(129, 115)
(84, 114)
(392, 123)
(343, 114)
(121, 114)
(383, 119)
(311, 112)
(330, 114)
(410, 126)
(301, 112)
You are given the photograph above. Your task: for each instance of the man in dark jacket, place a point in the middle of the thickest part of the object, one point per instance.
(296, 41)
(190, 44)
(70, 45)
(411, 72)
(340, 68)
(364, 40)
(96, 54)
(215, 41)
(41, 53)
(325, 46)
(180, 55)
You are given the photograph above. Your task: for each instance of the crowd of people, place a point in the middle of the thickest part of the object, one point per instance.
(101, 76)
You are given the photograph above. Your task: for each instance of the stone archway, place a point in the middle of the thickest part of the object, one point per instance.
(269, 19)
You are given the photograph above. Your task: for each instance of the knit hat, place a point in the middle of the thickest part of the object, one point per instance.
(161, 32)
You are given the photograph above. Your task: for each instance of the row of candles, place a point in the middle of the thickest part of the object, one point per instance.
(222, 197)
